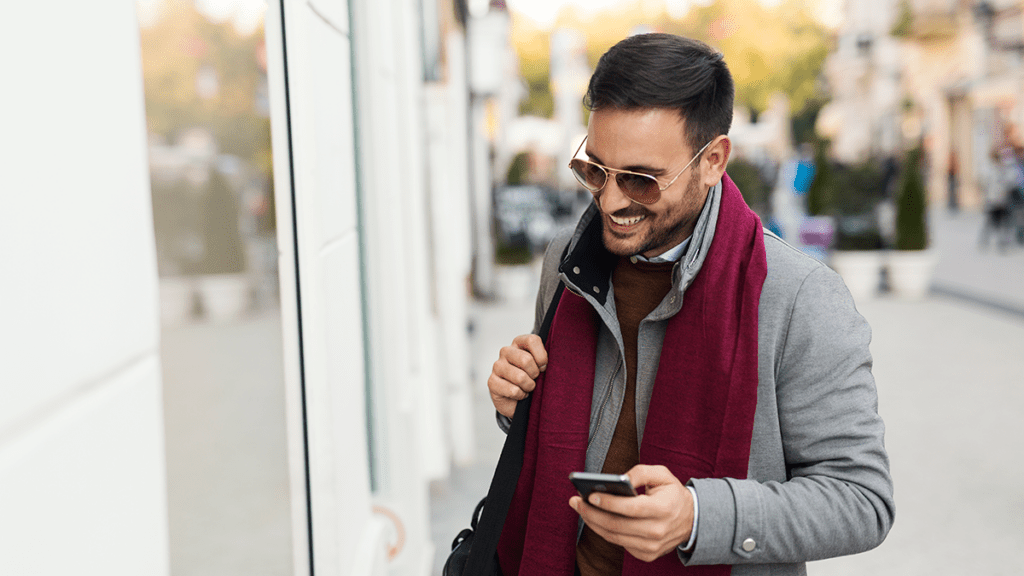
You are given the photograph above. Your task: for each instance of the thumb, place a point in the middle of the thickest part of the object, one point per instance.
(650, 476)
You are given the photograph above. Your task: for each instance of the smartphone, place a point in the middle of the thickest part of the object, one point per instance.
(589, 482)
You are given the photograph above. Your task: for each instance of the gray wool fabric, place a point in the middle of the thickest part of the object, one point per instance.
(818, 482)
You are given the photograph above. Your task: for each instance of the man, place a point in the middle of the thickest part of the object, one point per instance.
(725, 372)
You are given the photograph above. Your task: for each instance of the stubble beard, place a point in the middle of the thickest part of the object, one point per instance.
(664, 230)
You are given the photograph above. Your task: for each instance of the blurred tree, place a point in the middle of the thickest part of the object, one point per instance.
(752, 183)
(819, 195)
(202, 73)
(911, 227)
(519, 170)
(803, 121)
(857, 189)
(768, 49)
(904, 24)
(532, 47)
(539, 100)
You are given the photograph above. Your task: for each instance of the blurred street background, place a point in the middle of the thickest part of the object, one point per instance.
(252, 330)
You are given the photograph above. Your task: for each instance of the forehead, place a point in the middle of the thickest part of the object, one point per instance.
(652, 137)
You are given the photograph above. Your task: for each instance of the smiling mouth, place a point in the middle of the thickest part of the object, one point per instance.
(626, 221)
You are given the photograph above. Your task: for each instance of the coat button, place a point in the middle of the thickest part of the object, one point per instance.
(749, 545)
(576, 270)
(597, 290)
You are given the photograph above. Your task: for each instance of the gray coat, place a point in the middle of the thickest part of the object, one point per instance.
(818, 482)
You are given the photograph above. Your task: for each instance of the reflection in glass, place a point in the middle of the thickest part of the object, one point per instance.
(213, 209)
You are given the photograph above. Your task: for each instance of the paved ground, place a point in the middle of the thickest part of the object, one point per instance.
(950, 374)
(495, 324)
(950, 381)
(970, 270)
(227, 472)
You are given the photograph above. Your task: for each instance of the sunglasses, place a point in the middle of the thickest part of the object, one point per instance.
(640, 188)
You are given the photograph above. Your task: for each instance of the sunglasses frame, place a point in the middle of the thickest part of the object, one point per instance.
(614, 172)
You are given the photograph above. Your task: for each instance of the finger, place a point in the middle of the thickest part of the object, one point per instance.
(535, 346)
(514, 374)
(650, 476)
(520, 358)
(640, 536)
(505, 406)
(611, 527)
(502, 388)
(627, 506)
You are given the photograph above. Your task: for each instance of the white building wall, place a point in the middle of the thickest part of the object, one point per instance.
(377, 169)
(315, 132)
(82, 477)
(410, 447)
(447, 133)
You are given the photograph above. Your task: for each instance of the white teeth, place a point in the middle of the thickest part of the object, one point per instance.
(626, 221)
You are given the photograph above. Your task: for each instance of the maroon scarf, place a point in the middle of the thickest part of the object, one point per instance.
(701, 415)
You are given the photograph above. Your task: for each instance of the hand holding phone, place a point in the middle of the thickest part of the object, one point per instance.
(589, 482)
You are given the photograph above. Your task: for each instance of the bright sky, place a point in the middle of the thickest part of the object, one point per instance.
(544, 12)
(247, 13)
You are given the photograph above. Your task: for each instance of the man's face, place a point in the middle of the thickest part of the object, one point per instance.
(649, 141)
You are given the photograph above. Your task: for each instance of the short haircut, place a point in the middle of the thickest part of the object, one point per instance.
(667, 71)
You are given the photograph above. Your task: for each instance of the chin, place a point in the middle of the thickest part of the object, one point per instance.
(621, 246)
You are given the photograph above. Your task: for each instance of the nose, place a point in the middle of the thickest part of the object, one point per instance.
(610, 198)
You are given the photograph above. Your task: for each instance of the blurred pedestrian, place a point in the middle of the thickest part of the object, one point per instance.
(725, 373)
(1004, 198)
(1016, 203)
(953, 178)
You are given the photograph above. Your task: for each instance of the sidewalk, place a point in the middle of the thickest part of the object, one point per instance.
(495, 325)
(950, 376)
(968, 270)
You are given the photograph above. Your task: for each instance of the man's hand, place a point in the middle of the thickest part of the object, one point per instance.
(649, 525)
(515, 372)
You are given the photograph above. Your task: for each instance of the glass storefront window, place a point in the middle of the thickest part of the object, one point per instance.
(205, 71)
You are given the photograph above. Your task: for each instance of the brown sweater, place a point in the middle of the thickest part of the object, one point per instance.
(639, 287)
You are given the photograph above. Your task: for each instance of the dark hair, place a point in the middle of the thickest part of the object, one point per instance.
(666, 71)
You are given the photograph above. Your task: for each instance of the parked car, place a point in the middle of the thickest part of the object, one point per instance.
(524, 216)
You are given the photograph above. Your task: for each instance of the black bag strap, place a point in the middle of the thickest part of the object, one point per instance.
(506, 474)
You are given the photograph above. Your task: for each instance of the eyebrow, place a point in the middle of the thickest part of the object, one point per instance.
(632, 168)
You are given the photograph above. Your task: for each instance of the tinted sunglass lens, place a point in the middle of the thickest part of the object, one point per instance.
(590, 176)
(643, 189)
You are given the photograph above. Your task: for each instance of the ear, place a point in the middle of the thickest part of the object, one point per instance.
(714, 160)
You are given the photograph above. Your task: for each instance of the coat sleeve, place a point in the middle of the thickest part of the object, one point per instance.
(837, 494)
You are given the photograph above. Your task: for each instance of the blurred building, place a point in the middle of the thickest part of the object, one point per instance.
(494, 94)
(548, 142)
(768, 141)
(864, 77)
(570, 75)
(370, 110)
(947, 73)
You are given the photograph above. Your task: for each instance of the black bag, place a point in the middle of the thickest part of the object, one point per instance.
(456, 563)
(474, 550)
